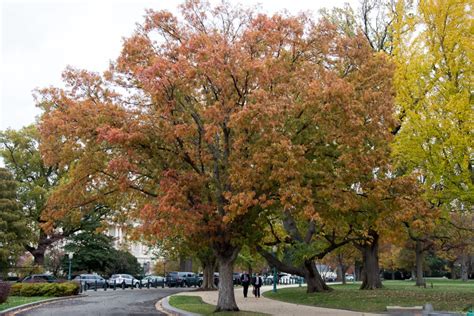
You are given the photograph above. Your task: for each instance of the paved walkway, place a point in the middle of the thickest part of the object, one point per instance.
(273, 307)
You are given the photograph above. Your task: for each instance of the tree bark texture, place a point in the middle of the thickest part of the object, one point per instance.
(357, 270)
(226, 298)
(314, 281)
(341, 269)
(370, 270)
(208, 275)
(452, 269)
(420, 281)
(464, 267)
(308, 270)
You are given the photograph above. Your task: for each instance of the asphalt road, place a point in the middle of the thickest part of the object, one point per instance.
(120, 302)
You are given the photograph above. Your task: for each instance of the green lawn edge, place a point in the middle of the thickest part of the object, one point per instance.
(195, 304)
(15, 301)
(445, 295)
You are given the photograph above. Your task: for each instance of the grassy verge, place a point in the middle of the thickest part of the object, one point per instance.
(444, 296)
(194, 304)
(13, 301)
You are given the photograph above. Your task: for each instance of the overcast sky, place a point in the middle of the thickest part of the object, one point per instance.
(39, 38)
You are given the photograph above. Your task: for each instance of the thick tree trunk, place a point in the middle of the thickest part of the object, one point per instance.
(185, 264)
(314, 281)
(38, 257)
(357, 270)
(452, 268)
(339, 274)
(464, 267)
(341, 270)
(37, 253)
(371, 271)
(44, 242)
(208, 275)
(308, 270)
(420, 281)
(226, 256)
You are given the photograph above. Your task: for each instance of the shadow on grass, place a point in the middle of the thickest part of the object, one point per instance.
(444, 296)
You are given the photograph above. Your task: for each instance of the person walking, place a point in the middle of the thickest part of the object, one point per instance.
(257, 283)
(245, 280)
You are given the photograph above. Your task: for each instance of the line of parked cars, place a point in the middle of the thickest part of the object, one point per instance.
(91, 280)
(172, 279)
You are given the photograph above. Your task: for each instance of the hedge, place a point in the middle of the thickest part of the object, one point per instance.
(45, 289)
(4, 290)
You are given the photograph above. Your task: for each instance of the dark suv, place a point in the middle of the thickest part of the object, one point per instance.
(182, 279)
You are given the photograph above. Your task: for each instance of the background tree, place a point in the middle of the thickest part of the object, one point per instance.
(343, 259)
(433, 81)
(53, 260)
(14, 229)
(433, 52)
(21, 155)
(456, 242)
(122, 261)
(93, 252)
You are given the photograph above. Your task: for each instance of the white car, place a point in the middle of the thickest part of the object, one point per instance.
(119, 279)
(349, 277)
(285, 278)
(329, 276)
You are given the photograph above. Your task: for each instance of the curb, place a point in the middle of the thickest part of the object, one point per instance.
(20, 308)
(163, 305)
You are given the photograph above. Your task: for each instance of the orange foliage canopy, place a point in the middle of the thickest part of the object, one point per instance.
(204, 124)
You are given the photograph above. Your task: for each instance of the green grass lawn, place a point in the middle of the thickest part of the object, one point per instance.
(195, 304)
(13, 301)
(444, 296)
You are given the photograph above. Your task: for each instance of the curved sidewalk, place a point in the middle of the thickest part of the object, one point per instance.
(273, 307)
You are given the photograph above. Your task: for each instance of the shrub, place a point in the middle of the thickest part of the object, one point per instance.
(45, 289)
(4, 291)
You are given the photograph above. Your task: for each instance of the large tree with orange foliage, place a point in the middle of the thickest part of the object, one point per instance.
(205, 125)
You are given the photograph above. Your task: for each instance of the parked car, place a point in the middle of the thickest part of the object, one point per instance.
(329, 276)
(182, 279)
(285, 278)
(350, 277)
(282, 278)
(119, 279)
(236, 278)
(90, 279)
(40, 278)
(216, 278)
(159, 280)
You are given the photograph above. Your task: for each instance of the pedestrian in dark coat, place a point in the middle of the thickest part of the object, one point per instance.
(245, 281)
(257, 282)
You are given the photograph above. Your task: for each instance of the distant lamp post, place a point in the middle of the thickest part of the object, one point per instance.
(70, 255)
(275, 275)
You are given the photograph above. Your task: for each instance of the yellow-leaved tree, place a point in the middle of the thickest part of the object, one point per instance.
(433, 51)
